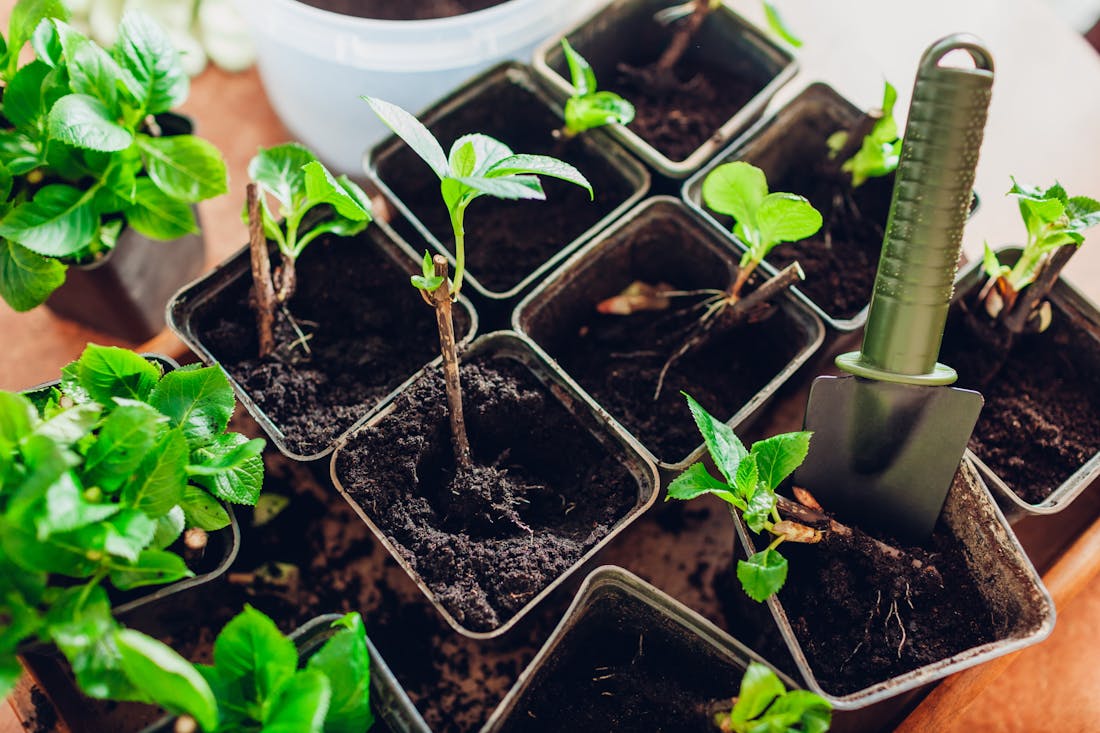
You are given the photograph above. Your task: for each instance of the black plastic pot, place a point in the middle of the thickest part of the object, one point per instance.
(638, 632)
(1002, 572)
(393, 710)
(624, 31)
(662, 241)
(1079, 318)
(592, 421)
(392, 260)
(124, 292)
(506, 103)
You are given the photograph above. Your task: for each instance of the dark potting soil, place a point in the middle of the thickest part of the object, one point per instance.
(623, 667)
(487, 542)
(508, 240)
(402, 9)
(618, 359)
(367, 329)
(1041, 419)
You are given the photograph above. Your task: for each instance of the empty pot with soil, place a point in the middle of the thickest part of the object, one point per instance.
(352, 334)
(549, 483)
(688, 109)
(518, 241)
(619, 359)
(1037, 441)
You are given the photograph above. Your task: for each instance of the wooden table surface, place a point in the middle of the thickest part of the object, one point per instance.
(1042, 126)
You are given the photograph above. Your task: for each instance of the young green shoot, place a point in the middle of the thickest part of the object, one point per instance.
(300, 185)
(589, 108)
(764, 705)
(1055, 222)
(872, 148)
(257, 681)
(477, 165)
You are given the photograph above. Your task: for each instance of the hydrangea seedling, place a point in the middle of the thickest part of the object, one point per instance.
(764, 705)
(873, 148)
(589, 108)
(477, 165)
(1055, 224)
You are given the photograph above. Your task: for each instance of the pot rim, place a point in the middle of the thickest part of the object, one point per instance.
(507, 344)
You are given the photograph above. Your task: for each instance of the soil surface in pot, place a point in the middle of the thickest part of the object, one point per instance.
(403, 9)
(1041, 419)
(368, 331)
(623, 667)
(618, 359)
(508, 240)
(487, 540)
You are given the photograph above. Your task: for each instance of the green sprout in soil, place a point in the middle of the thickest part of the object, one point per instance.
(1016, 296)
(257, 681)
(762, 221)
(872, 148)
(477, 165)
(312, 202)
(82, 153)
(101, 478)
(764, 705)
(589, 108)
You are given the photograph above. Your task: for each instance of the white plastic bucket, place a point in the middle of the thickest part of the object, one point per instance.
(315, 64)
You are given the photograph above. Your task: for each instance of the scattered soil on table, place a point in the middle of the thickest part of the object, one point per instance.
(623, 667)
(618, 359)
(368, 332)
(1041, 419)
(44, 717)
(403, 9)
(508, 240)
(487, 542)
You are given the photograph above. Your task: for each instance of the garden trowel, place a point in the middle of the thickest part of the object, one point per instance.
(889, 438)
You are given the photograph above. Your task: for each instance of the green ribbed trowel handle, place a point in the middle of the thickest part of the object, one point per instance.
(931, 201)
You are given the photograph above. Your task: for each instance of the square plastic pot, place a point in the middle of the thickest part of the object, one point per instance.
(389, 701)
(1070, 305)
(185, 306)
(1001, 570)
(503, 345)
(477, 106)
(701, 258)
(612, 597)
(726, 41)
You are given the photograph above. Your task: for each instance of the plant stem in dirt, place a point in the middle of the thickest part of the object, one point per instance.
(441, 301)
(681, 40)
(287, 277)
(263, 291)
(1020, 314)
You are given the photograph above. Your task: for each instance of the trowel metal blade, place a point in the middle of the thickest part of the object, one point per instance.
(883, 455)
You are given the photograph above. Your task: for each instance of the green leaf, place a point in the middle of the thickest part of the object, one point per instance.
(70, 425)
(785, 217)
(170, 526)
(345, 660)
(185, 167)
(596, 110)
(24, 106)
(695, 482)
(778, 456)
(323, 188)
(91, 70)
(152, 567)
(145, 51)
(128, 533)
(279, 170)
(202, 510)
(488, 151)
(59, 221)
(512, 188)
(542, 165)
(463, 159)
(778, 26)
(68, 510)
(25, 17)
(158, 215)
(252, 651)
(161, 478)
(62, 554)
(85, 635)
(198, 400)
(17, 417)
(47, 45)
(299, 705)
(760, 505)
(10, 672)
(415, 135)
(762, 574)
(126, 438)
(107, 372)
(428, 280)
(759, 688)
(737, 190)
(747, 477)
(580, 71)
(166, 678)
(725, 448)
(990, 265)
(230, 467)
(810, 712)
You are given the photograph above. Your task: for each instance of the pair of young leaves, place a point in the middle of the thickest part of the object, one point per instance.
(75, 119)
(99, 476)
(751, 478)
(765, 706)
(880, 151)
(255, 682)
